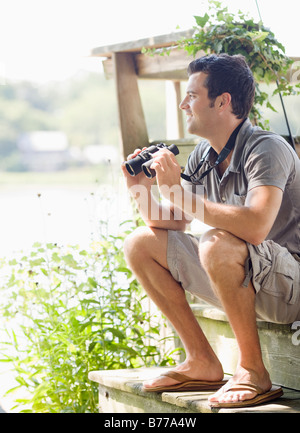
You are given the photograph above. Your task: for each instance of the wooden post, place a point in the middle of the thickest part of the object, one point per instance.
(131, 116)
(175, 128)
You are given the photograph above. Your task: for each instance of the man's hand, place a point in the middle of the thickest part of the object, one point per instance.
(167, 169)
(167, 174)
(140, 179)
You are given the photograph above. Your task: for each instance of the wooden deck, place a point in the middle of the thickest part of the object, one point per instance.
(121, 390)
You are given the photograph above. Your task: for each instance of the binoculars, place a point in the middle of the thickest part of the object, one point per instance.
(143, 160)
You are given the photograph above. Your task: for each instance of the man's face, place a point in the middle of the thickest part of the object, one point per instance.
(197, 106)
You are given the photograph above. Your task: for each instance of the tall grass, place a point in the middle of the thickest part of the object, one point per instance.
(68, 311)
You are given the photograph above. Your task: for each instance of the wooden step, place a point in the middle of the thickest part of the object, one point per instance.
(280, 345)
(120, 391)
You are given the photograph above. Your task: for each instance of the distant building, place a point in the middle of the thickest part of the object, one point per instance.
(44, 150)
(100, 154)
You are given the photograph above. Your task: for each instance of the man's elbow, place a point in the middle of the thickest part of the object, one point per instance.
(256, 237)
(255, 241)
(182, 226)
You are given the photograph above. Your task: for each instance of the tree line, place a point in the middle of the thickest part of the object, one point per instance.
(83, 107)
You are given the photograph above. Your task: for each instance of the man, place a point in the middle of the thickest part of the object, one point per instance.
(248, 265)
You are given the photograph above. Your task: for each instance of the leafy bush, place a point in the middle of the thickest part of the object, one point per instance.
(220, 31)
(70, 311)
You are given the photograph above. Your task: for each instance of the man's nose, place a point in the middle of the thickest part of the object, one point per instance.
(183, 104)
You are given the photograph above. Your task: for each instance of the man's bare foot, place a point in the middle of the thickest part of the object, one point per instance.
(262, 380)
(198, 370)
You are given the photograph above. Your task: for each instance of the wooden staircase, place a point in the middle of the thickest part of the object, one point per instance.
(120, 391)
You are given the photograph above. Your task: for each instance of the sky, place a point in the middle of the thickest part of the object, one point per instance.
(46, 40)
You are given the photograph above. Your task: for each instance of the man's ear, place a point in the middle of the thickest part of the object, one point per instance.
(223, 101)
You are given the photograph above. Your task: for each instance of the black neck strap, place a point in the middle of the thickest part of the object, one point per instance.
(221, 157)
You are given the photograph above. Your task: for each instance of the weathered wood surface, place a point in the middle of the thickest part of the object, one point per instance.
(131, 116)
(120, 391)
(159, 41)
(166, 67)
(280, 353)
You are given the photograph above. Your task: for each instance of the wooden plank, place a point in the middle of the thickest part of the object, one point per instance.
(164, 73)
(131, 116)
(108, 68)
(159, 41)
(178, 99)
(161, 67)
(174, 66)
(280, 355)
(120, 391)
(174, 113)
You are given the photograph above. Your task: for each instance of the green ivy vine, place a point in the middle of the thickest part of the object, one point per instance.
(220, 31)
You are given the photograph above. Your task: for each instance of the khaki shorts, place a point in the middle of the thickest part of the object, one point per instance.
(274, 273)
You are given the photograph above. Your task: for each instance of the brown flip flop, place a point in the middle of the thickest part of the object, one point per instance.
(261, 397)
(186, 383)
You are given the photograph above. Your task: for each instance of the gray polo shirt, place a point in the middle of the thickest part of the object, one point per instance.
(259, 158)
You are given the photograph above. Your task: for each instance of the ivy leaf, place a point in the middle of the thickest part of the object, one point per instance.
(218, 47)
(258, 36)
(36, 262)
(201, 21)
(269, 105)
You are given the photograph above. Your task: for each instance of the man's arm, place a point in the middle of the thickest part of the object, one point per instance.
(154, 213)
(251, 222)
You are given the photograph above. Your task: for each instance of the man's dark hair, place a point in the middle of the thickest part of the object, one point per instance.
(227, 74)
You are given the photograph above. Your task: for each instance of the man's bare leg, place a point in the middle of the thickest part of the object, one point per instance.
(146, 254)
(223, 257)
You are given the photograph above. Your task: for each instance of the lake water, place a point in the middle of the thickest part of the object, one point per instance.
(63, 215)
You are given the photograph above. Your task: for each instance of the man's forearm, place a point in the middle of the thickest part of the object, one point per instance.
(251, 222)
(155, 213)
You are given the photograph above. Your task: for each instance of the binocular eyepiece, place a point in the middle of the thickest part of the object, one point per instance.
(143, 160)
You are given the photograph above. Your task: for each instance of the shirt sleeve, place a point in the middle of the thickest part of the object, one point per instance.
(269, 163)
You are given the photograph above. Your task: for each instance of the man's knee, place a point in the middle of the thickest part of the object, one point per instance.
(145, 243)
(135, 243)
(219, 249)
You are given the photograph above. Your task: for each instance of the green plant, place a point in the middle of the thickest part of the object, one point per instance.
(70, 311)
(220, 31)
